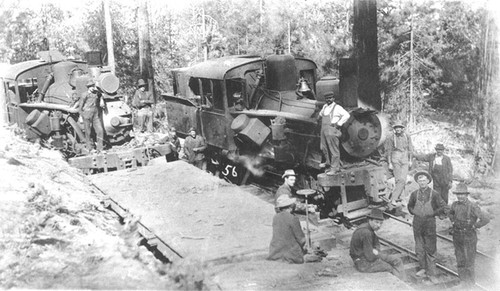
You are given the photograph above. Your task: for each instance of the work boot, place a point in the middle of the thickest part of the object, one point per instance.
(323, 165)
(420, 273)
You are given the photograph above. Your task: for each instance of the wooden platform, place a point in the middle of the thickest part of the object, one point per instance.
(192, 212)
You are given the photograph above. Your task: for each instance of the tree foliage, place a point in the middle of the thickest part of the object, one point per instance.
(448, 51)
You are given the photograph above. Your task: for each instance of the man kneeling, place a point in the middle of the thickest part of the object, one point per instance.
(365, 249)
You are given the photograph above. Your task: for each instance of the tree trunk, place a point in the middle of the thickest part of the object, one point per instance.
(145, 60)
(486, 104)
(109, 37)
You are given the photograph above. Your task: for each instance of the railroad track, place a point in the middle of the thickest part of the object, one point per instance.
(446, 264)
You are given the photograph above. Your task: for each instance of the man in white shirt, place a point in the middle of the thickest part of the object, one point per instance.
(333, 116)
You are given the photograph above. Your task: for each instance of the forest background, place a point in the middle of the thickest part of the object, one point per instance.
(446, 51)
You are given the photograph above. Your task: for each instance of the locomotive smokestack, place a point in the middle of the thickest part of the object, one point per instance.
(366, 53)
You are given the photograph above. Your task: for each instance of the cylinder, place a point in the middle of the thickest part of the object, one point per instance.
(281, 72)
(278, 131)
(326, 84)
(108, 82)
(239, 123)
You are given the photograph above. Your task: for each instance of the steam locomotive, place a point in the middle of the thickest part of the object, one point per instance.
(258, 115)
(40, 94)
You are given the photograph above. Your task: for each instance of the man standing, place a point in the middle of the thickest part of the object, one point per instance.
(399, 149)
(365, 249)
(287, 243)
(441, 170)
(425, 204)
(333, 116)
(194, 148)
(90, 107)
(466, 217)
(142, 101)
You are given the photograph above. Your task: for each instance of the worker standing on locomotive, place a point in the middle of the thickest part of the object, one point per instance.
(425, 204)
(365, 249)
(142, 101)
(441, 170)
(399, 149)
(90, 107)
(333, 116)
(194, 148)
(466, 218)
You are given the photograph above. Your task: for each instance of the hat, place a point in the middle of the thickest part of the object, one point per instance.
(284, 201)
(141, 83)
(90, 83)
(420, 173)
(439, 146)
(288, 173)
(173, 129)
(192, 129)
(461, 189)
(376, 214)
(398, 123)
(329, 94)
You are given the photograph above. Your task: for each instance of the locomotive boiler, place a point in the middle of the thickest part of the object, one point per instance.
(41, 96)
(258, 115)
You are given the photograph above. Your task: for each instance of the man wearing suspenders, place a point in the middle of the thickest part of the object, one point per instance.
(466, 217)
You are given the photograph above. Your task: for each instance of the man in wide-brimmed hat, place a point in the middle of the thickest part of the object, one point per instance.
(90, 107)
(425, 204)
(332, 116)
(441, 170)
(466, 217)
(288, 241)
(143, 101)
(365, 249)
(399, 149)
(194, 149)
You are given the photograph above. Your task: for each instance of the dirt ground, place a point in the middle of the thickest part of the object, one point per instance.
(56, 234)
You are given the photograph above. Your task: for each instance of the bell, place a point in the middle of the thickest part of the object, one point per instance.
(303, 86)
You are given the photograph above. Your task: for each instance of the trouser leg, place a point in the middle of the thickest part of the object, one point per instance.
(99, 131)
(400, 172)
(372, 267)
(149, 123)
(396, 264)
(430, 248)
(419, 242)
(442, 190)
(88, 130)
(141, 119)
(324, 147)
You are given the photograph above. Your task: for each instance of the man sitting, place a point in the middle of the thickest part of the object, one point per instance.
(365, 249)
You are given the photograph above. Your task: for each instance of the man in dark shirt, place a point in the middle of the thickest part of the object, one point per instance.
(288, 241)
(142, 101)
(365, 249)
(466, 218)
(194, 149)
(441, 170)
(425, 204)
(90, 107)
(399, 150)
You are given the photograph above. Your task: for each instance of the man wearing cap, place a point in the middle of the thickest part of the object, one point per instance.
(288, 240)
(286, 188)
(441, 170)
(425, 204)
(466, 217)
(333, 116)
(399, 150)
(365, 249)
(194, 148)
(142, 101)
(90, 108)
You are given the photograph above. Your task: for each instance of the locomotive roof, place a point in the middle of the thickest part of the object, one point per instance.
(217, 68)
(14, 71)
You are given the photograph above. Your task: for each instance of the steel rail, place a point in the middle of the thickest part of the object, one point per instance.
(438, 235)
